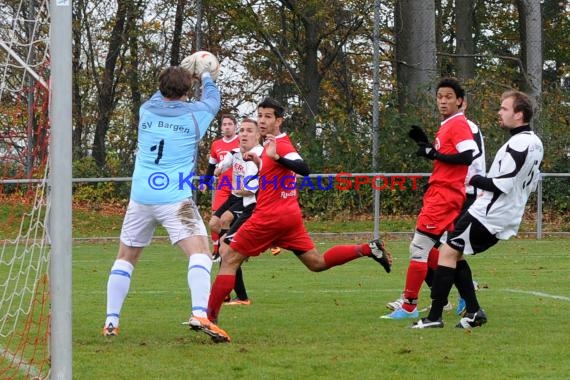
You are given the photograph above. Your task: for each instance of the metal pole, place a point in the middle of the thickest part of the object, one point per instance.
(376, 113)
(30, 98)
(539, 209)
(60, 174)
(198, 25)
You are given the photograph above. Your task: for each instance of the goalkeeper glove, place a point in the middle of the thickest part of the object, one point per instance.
(418, 135)
(426, 150)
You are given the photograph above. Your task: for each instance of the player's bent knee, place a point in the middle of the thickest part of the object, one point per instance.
(313, 261)
(215, 224)
(420, 247)
(226, 219)
(446, 253)
(231, 258)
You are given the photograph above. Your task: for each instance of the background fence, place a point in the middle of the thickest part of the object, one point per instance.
(346, 195)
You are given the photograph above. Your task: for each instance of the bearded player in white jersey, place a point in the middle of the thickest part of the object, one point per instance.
(495, 215)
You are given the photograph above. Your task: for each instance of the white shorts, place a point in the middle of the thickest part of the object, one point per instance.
(181, 220)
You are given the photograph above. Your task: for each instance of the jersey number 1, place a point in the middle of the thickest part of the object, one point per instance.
(160, 149)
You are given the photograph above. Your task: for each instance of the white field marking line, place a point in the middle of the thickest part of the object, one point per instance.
(538, 294)
(301, 291)
(23, 366)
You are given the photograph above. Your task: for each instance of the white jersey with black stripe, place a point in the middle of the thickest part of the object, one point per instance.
(515, 171)
(478, 166)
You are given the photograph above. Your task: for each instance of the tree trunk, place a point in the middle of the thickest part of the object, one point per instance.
(177, 34)
(134, 82)
(531, 45)
(464, 12)
(415, 48)
(106, 97)
(77, 137)
(312, 78)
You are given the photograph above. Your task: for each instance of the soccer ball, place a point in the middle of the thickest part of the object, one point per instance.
(201, 61)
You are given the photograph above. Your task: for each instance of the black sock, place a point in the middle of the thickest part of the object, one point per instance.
(464, 283)
(429, 277)
(442, 283)
(239, 286)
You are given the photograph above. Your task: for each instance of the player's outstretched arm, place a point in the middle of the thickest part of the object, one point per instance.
(299, 166)
(210, 93)
(484, 183)
(463, 158)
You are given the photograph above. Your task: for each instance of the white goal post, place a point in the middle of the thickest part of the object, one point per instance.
(60, 181)
(36, 267)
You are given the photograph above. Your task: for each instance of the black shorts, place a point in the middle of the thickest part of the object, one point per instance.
(238, 221)
(469, 199)
(470, 236)
(228, 204)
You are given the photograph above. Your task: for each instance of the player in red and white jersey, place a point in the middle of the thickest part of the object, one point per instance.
(220, 148)
(477, 167)
(276, 220)
(452, 153)
(495, 215)
(279, 193)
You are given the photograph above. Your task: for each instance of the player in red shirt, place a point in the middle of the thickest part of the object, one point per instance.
(276, 221)
(219, 149)
(452, 154)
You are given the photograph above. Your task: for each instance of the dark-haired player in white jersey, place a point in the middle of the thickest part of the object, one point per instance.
(495, 215)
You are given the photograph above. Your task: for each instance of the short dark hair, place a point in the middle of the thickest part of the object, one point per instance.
(521, 103)
(174, 82)
(228, 116)
(272, 103)
(453, 84)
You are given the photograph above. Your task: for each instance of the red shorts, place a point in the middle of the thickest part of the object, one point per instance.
(440, 209)
(220, 196)
(262, 231)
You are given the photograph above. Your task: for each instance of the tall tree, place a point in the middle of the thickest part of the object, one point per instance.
(78, 127)
(415, 48)
(530, 19)
(295, 46)
(465, 46)
(134, 19)
(177, 34)
(107, 85)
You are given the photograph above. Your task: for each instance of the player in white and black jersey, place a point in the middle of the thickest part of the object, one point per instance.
(495, 215)
(240, 205)
(477, 166)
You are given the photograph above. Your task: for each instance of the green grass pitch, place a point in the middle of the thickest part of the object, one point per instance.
(305, 325)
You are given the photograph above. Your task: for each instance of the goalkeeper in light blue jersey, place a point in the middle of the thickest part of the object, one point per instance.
(169, 131)
(168, 136)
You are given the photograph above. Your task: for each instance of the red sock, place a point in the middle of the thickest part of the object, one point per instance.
(414, 279)
(215, 240)
(341, 254)
(433, 258)
(222, 286)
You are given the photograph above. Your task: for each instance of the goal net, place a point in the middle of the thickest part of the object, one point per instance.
(24, 204)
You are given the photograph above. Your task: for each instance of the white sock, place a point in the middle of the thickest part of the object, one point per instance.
(199, 268)
(117, 290)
